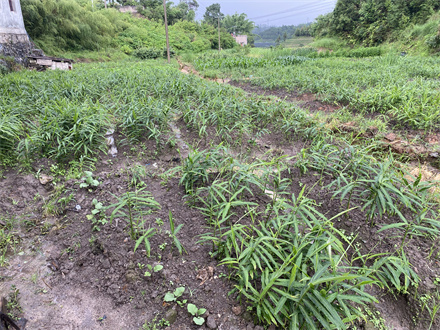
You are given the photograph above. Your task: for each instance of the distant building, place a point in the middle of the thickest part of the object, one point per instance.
(241, 39)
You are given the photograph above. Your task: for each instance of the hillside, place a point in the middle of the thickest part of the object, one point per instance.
(374, 22)
(74, 26)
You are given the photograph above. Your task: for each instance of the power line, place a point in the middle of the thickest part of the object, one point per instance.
(301, 9)
(287, 10)
(298, 13)
(313, 8)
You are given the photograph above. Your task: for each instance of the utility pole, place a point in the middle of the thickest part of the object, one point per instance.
(219, 47)
(105, 4)
(166, 30)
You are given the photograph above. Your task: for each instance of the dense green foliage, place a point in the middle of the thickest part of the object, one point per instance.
(64, 115)
(67, 25)
(213, 14)
(372, 22)
(153, 9)
(238, 24)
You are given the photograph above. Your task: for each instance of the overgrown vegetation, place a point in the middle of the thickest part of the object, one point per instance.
(61, 26)
(373, 22)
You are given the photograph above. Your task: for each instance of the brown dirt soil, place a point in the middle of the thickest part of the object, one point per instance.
(92, 279)
(305, 100)
(71, 277)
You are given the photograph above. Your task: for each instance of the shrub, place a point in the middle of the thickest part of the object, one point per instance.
(365, 52)
(147, 53)
(127, 49)
(433, 42)
(200, 45)
(328, 43)
(3, 69)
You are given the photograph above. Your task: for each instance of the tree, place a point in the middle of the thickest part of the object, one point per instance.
(153, 10)
(181, 12)
(192, 4)
(238, 23)
(371, 22)
(346, 16)
(212, 14)
(284, 36)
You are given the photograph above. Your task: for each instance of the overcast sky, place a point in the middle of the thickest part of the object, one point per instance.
(272, 12)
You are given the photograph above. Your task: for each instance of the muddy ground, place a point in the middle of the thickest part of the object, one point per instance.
(71, 276)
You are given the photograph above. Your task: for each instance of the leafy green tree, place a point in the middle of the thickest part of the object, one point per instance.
(153, 10)
(238, 23)
(181, 12)
(212, 14)
(192, 4)
(345, 16)
(371, 22)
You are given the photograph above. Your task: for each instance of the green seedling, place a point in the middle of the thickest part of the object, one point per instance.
(13, 304)
(132, 207)
(155, 324)
(197, 313)
(173, 296)
(173, 233)
(145, 238)
(8, 243)
(154, 269)
(181, 303)
(89, 181)
(98, 215)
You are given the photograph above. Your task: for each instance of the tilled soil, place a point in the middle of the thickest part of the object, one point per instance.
(305, 100)
(73, 277)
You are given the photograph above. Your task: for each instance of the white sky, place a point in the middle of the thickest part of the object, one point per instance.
(274, 13)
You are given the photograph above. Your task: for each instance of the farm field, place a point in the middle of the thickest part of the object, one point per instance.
(297, 42)
(405, 89)
(300, 192)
